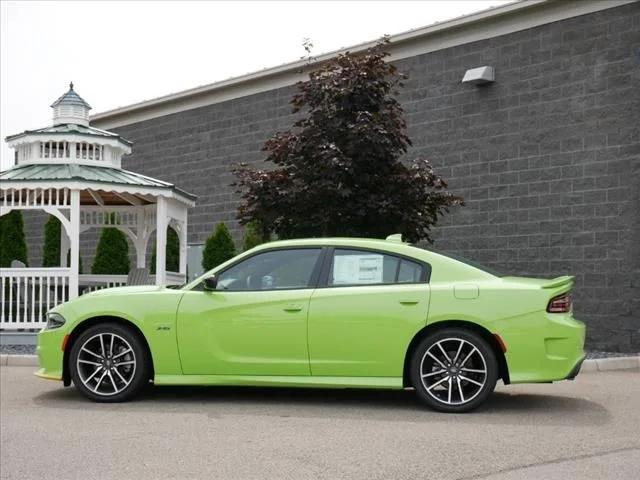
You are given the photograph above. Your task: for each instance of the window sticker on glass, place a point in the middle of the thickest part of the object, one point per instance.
(355, 269)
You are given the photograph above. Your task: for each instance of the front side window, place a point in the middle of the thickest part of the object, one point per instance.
(273, 270)
(361, 267)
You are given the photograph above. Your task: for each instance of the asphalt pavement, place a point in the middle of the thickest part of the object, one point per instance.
(586, 429)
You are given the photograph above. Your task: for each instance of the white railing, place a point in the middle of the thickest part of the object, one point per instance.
(36, 198)
(174, 278)
(54, 149)
(26, 294)
(91, 283)
(89, 151)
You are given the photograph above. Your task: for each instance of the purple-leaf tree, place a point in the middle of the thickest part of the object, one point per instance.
(340, 171)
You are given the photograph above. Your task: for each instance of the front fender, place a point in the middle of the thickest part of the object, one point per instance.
(152, 312)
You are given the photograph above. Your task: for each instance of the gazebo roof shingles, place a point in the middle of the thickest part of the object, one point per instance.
(86, 173)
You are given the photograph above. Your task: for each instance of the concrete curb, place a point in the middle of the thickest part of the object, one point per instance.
(591, 365)
(19, 360)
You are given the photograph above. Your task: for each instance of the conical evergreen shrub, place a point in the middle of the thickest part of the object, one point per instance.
(112, 253)
(173, 252)
(12, 242)
(219, 248)
(51, 249)
(253, 235)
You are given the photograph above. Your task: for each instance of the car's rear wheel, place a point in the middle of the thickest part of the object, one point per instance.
(454, 370)
(108, 363)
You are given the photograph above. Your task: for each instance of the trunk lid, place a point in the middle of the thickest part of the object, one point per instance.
(564, 282)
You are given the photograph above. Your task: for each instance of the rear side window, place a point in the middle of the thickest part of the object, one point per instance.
(362, 267)
(410, 272)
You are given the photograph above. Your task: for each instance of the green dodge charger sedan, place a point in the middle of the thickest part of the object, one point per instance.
(331, 312)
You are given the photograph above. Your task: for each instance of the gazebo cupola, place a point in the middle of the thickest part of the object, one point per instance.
(71, 108)
(70, 140)
(73, 171)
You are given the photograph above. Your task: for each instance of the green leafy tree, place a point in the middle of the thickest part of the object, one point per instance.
(341, 169)
(219, 248)
(12, 242)
(254, 235)
(51, 249)
(173, 252)
(112, 253)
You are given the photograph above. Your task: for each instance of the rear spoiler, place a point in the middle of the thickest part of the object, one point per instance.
(567, 280)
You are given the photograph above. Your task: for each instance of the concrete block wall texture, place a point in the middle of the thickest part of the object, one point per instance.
(547, 157)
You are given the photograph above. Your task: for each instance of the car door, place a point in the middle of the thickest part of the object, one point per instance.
(255, 323)
(364, 313)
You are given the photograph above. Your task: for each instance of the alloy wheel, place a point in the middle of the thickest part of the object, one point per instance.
(453, 371)
(106, 364)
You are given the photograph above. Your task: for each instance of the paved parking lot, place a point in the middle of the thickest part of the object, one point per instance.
(587, 429)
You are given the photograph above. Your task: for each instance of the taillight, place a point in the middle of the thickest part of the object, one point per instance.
(560, 304)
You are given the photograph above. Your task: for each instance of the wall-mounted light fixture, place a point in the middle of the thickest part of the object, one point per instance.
(479, 76)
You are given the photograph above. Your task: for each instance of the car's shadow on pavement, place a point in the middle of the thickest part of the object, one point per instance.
(503, 407)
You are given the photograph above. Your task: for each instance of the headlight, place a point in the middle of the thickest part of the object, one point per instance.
(54, 320)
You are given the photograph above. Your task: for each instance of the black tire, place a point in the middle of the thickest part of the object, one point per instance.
(122, 380)
(457, 388)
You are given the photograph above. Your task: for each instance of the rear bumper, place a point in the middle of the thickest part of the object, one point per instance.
(549, 348)
(574, 373)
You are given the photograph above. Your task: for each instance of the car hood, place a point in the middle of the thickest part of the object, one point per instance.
(125, 290)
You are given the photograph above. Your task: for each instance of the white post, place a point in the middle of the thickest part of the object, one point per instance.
(161, 241)
(64, 247)
(74, 238)
(141, 244)
(183, 246)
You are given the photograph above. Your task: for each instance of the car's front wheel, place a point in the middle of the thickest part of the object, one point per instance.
(454, 370)
(108, 363)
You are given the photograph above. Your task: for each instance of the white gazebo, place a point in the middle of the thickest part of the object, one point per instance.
(73, 171)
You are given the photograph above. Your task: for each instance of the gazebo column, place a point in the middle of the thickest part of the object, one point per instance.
(183, 247)
(74, 241)
(161, 241)
(141, 239)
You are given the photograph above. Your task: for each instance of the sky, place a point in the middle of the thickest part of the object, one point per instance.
(118, 53)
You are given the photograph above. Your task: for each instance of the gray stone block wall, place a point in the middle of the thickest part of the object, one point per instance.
(547, 158)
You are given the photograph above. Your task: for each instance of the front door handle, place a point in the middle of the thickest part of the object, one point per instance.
(292, 308)
(409, 302)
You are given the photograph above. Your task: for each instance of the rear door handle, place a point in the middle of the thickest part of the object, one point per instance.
(292, 308)
(409, 302)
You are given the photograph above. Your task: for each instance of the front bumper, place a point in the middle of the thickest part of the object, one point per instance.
(50, 354)
(43, 374)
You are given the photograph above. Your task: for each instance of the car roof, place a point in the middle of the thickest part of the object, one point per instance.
(447, 268)
(324, 241)
(390, 245)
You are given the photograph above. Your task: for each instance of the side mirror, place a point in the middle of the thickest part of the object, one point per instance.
(211, 283)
